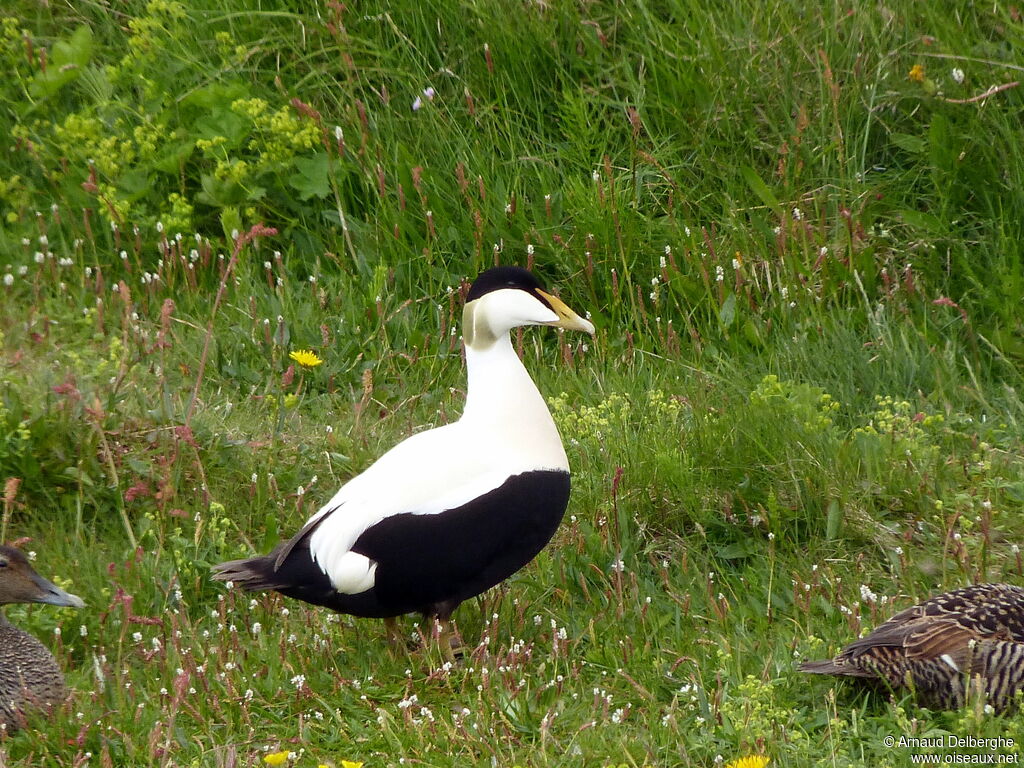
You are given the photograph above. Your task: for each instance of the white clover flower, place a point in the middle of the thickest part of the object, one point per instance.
(958, 75)
(418, 103)
(8, 279)
(798, 215)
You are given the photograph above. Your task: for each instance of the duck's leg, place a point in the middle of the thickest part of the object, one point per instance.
(446, 633)
(395, 637)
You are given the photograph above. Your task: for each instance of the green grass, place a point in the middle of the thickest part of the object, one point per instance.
(800, 413)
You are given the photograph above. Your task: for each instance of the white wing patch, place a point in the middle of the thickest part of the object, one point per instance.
(353, 573)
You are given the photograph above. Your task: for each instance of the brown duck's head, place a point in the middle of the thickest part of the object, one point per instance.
(19, 583)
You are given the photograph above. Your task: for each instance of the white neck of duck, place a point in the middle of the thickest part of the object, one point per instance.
(503, 402)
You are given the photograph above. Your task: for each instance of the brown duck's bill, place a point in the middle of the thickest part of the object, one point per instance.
(51, 594)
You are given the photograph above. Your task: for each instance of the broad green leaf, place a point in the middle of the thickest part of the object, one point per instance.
(67, 59)
(310, 178)
(727, 312)
(834, 521)
(760, 188)
(915, 144)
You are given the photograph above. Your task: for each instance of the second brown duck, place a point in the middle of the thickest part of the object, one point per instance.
(946, 649)
(30, 679)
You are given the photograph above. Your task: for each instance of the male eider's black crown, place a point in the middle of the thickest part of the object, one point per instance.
(497, 278)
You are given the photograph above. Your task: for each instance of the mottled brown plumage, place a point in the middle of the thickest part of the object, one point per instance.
(970, 639)
(30, 679)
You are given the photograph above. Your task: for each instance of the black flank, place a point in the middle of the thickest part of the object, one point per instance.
(425, 563)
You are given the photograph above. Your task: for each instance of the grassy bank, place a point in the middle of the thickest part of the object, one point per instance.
(798, 234)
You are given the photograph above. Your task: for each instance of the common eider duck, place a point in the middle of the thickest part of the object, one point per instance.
(30, 679)
(450, 512)
(944, 650)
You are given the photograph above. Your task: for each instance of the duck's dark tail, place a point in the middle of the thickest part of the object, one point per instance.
(290, 565)
(254, 574)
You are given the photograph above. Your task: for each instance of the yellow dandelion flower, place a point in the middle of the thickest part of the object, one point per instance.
(916, 73)
(305, 357)
(351, 764)
(750, 761)
(276, 758)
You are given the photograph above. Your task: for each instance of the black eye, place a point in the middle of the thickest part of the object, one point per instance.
(3, 563)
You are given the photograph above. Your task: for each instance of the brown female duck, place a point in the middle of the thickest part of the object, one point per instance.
(29, 676)
(945, 649)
